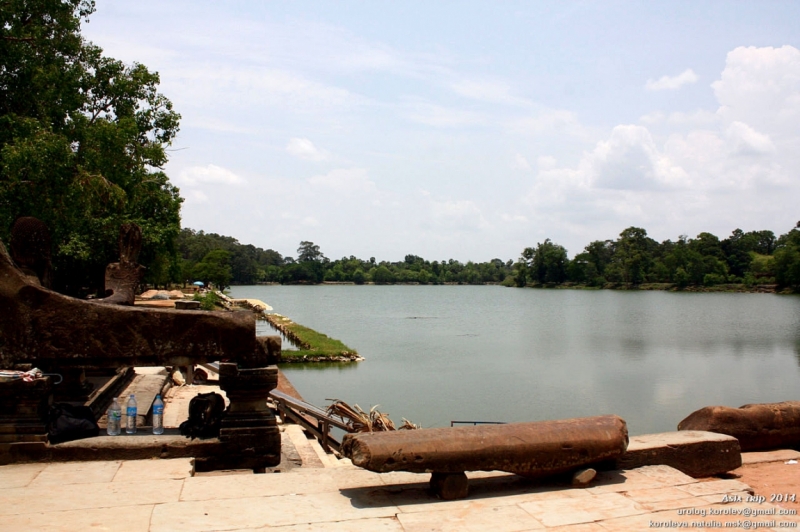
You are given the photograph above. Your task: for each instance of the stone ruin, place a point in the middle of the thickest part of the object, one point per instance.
(65, 335)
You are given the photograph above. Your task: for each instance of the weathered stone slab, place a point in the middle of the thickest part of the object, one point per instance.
(696, 453)
(530, 449)
(53, 330)
(763, 457)
(757, 427)
(187, 305)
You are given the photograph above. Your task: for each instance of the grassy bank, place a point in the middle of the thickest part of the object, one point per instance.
(312, 346)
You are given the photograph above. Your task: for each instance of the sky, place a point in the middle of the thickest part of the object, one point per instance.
(472, 129)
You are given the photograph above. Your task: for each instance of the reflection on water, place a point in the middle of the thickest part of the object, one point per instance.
(438, 353)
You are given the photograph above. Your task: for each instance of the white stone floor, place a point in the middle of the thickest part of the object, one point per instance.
(162, 495)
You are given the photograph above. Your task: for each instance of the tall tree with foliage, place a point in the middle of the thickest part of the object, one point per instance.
(787, 259)
(215, 268)
(549, 263)
(632, 256)
(82, 142)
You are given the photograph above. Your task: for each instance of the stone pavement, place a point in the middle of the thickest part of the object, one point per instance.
(162, 495)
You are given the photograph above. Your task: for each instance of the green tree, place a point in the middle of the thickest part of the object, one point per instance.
(737, 253)
(523, 267)
(82, 141)
(309, 252)
(549, 264)
(633, 254)
(787, 259)
(382, 275)
(215, 268)
(358, 276)
(787, 267)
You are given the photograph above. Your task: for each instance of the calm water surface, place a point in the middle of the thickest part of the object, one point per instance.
(441, 353)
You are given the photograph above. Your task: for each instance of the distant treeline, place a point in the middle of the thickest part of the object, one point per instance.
(752, 258)
(224, 261)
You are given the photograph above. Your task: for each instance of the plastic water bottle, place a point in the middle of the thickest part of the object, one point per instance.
(130, 425)
(158, 415)
(114, 419)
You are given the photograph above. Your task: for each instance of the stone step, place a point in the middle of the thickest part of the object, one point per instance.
(694, 452)
(146, 384)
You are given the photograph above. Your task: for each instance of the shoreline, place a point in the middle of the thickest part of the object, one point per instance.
(731, 288)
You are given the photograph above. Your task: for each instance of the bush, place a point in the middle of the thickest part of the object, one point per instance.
(710, 279)
(509, 281)
(382, 275)
(208, 301)
(358, 276)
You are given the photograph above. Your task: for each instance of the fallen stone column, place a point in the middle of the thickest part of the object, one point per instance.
(757, 426)
(530, 449)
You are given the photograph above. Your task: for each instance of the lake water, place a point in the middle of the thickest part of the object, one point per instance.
(489, 353)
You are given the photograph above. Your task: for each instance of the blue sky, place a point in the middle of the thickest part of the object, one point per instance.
(471, 130)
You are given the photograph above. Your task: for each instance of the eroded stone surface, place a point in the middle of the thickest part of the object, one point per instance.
(48, 328)
(696, 453)
(757, 427)
(531, 449)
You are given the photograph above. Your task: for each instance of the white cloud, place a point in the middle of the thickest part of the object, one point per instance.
(761, 87)
(745, 140)
(344, 181)
(305, 149)
(459, 215)
(702, 173)
(656, 117)
(521, 163)
(698, 118)
(550, 121)
(439, 116)
(270, 81)
(630, 160)
(210, 174)
(546, 162)
(197, 196)
(672, 82)
(488, 91)
(243, 85)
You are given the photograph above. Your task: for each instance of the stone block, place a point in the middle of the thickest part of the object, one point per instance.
(696, 453)
(187, 305)
(758, 427)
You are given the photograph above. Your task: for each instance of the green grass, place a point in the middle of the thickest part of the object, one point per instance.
(310, 343)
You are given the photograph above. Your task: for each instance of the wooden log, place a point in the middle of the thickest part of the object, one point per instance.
(757, 427)
(530, 449)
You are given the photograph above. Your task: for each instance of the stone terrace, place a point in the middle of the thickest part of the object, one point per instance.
(162, 495)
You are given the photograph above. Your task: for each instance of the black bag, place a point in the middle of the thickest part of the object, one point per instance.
(205, 416)
(66, 422)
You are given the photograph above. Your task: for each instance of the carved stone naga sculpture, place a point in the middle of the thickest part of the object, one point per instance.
(124, 276)
(40, 326)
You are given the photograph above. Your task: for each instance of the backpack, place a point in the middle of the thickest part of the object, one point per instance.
(205, 416)
(66, 422)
